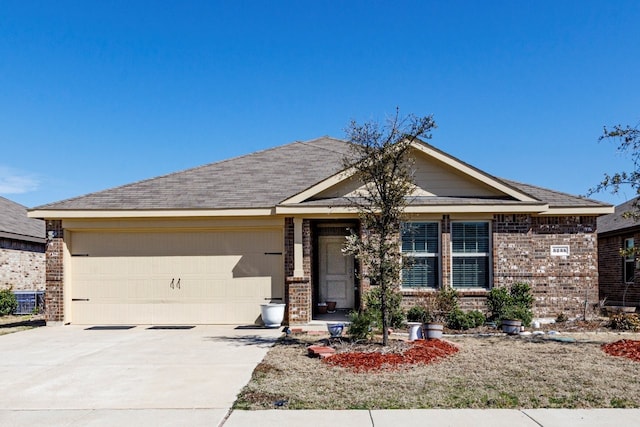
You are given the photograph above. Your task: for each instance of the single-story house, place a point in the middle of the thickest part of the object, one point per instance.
(210, 244)
(618, 274)
(22, 251)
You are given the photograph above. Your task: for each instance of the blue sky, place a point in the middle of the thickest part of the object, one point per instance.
(96, 94)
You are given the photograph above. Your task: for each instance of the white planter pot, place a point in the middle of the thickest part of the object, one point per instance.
(415, 330)
(433, 330)
(511, 327)
(272, 314)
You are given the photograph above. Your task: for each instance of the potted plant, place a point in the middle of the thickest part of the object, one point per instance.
(511, 308)
(443, 302)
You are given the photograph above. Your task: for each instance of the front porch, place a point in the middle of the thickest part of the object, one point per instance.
(317, 271)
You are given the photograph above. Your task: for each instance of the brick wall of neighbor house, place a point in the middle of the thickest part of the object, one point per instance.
(611, 270)
(54, 296)
(22, 265)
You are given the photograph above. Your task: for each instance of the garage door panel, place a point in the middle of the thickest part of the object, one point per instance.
(174, 278)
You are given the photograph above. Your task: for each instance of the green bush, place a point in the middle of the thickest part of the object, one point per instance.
(515, 303)
(446, 300)
(418, 313)
(478, 318)
(8, 302)
(460, 320)
(362, 324)
(397, 318)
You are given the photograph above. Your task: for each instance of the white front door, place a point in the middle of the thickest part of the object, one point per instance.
(335, 272)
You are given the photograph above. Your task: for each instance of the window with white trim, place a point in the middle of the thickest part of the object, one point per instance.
(629, 262)
(420, 254)
(470, 250)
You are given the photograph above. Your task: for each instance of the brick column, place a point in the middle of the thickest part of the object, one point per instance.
(298, 284)
(54, 295)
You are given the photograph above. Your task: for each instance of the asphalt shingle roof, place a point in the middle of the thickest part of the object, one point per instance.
(616, 221)
(257, 180)
(14, 221)
(555, 199)
(263, 180)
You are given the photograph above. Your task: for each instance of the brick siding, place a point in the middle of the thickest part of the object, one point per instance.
(22, 265)
(611, 271)
(54, 295)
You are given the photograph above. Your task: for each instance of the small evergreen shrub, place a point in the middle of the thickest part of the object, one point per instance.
(8, 302)
(417, 313)
(515, 303)
(361, 326)
(460, 320)
(394, 300)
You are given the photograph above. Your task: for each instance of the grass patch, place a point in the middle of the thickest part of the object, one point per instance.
(12, 323)
(487, 372)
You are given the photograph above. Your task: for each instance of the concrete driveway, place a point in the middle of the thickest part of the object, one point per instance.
(75, 376)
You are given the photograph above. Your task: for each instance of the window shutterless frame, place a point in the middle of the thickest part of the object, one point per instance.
(471, 263)
(628, 270)
(420, 245)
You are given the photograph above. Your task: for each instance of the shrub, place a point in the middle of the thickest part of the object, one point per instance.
(446, 300)
(361, 326)
(625, 322)
(515, 303)
(460, 320)
(8, 302)
(394, 301)
(418, 313)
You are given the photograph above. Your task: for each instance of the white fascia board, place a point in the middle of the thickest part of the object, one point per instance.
(310, 210)
(503, 209)
(435, 209)
(60, 214)
(319, 187)
(473, 172)
(579, 211)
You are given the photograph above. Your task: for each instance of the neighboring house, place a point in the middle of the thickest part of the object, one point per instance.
(617, 273)
(22, 251)
(210, 244)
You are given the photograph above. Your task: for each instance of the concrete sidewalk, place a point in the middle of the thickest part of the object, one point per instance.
(439, 417)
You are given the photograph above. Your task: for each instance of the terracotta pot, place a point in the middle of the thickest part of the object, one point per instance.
(331, 306)
(322, 308)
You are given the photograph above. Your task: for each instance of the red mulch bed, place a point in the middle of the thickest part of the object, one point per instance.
(421, 351)
(625, 348)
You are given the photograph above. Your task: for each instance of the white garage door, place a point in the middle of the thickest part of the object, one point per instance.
(176, 278)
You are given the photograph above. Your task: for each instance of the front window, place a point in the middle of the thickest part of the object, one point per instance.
(629, 261)
(470, 254)
(420, 251)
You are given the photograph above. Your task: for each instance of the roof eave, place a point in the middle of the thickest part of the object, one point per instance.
(147, 213)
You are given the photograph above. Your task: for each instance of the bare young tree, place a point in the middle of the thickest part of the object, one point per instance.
(628, 139)
(379, 158)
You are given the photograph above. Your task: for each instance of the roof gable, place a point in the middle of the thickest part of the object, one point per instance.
(437, 174)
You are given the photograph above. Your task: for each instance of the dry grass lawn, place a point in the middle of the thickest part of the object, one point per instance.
(487, 372)
(17, 323)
